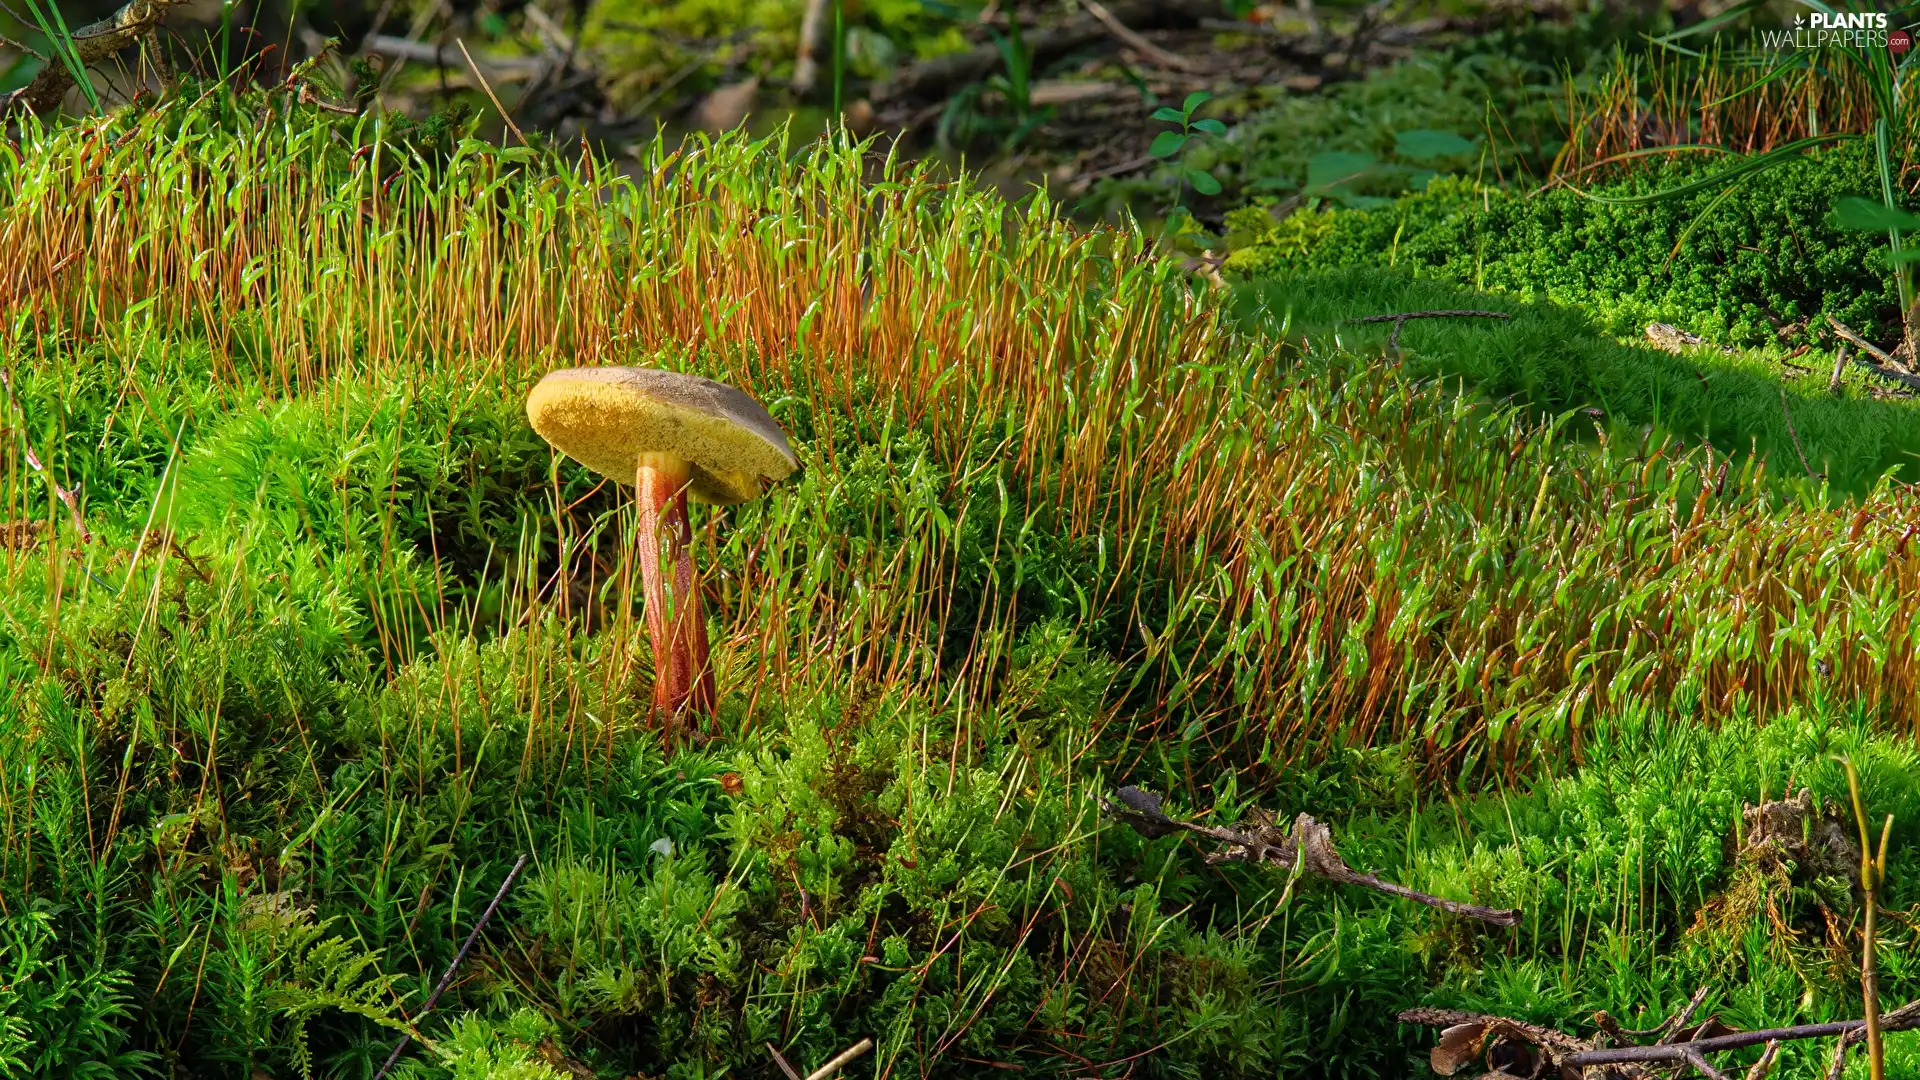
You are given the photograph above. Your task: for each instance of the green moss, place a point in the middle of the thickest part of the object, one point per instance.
(1763, 258)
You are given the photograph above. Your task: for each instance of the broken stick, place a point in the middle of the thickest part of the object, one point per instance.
(1309, 846)
(1137, 43)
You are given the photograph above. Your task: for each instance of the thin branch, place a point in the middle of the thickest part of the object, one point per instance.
(504, 68)
(307, 97)
(1894, 375)
(434, 998)
(1694, 1058)
(1670, 1032)
(781, 1061)
(475, 68)
(12, 44)
(1309, 846)
(1871, 349)
(841, 1059)
(1765, 1065)
(1137, 43)
(1678, 1052)
(1663, 1032)
(1473, 1033)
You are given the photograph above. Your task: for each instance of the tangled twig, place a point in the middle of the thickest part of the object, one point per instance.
(1308, 846)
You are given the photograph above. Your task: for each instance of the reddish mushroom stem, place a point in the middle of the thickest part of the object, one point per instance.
(683, 680)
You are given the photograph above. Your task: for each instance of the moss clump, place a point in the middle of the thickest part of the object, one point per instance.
(1757, 267)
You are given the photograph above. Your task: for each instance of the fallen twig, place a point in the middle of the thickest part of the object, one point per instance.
(1309, 846)
(434, 998)
(1892, 375)
(1137, 43)
(503, 68)
(307, 97)
(781, 1061)
(1664, 1033)
(1399, 319)
(497, 107)
(1870, 348)
(840, 1060)
(1469, 1035)
(1839, 364)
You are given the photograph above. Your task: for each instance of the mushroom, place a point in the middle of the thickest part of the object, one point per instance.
(674, 437)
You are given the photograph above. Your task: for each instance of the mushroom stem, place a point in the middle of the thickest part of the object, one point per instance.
(682, 679)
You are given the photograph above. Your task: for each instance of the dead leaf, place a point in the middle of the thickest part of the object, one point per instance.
(1459, 1045)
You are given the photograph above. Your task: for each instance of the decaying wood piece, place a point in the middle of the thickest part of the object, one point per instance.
(1507, 1044)
(1307, 846)
(94, 42)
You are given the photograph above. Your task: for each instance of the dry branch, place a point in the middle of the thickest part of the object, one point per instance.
(93, 43)
(1137, 43)
(497, 68)
(1309, 846)
(1468, 1036)
(840, 1060)
(1892, 375)
(446, 979)
(1873, 350)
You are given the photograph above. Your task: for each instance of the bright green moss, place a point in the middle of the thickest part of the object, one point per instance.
(1762, 260)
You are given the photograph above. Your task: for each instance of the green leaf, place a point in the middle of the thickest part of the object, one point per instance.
(1167, 144)
(1210, 126)
(1425, 145)
(1194, 101)
(1870, 215)
(1203, 182)
(1169, 115)
(1333, 168)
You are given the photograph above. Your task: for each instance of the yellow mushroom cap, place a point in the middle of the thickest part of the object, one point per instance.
(606, 417)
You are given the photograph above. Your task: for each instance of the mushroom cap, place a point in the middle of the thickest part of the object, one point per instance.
(606, 417)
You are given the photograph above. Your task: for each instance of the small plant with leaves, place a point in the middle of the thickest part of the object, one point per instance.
(1168, 143)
